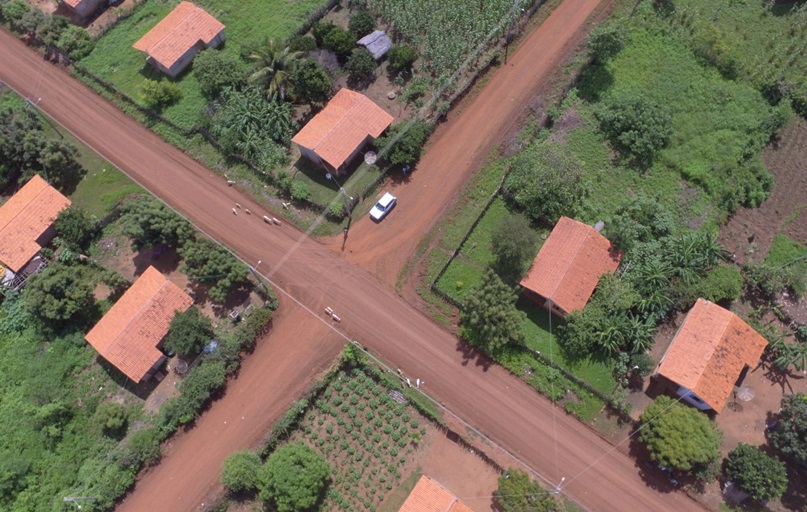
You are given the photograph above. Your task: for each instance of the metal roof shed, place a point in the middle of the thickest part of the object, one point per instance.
(377, 43)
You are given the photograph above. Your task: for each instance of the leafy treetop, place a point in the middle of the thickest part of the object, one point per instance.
(790, 434)
(517, 492)
(188, 332)
(757, 473)
(489, 317)
(293, 478)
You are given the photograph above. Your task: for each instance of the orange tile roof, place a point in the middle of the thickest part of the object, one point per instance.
(429, 496)
(178, 32)
(24, 218)
(344, 123)
(73, 3)
(709, 352)
(128, 335)
(570, 264)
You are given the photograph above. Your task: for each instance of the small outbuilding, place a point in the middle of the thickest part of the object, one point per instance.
(84, 8)
(130, 333)
(377, 43)
(338, 133)
(429, 496)
(173, 43)
(26, 225)
(568, 267)
(710, 353)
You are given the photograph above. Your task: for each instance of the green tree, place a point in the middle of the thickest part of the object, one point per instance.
(360, 66)
(513, 245)
(757, 473)
(517, 492)
(76, 42)
(299, 43)
(274, 63)
(489, 318)
(240, 472)
(401, 58)
(188, 332)
(678, 436)
(112, 418)
(723, 282)
(158, 95)
(320, 30)
(640, 220)
(51, 29)
(31, 21)
(216, 70)
(790, 434)
(547, 181)
(299, 190)
(294, 478)
(636, 125)
(404, 142)
(311, 82)
(58, 294)
(361, 24)
(15, 10)
(341, 42)
(148, 222)
(607, 40)
(75, 227)
(208, 263)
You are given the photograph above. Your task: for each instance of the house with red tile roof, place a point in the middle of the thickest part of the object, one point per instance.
(568, 267)
(709, 355)
(338, 133)
(173, 43)
(26, 225)
(130, 333)
(84, 8)
(429, 496)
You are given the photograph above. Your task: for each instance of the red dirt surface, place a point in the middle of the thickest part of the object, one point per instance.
(495, 402)
(459, 146)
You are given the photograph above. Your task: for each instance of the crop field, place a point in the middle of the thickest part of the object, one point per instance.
(448, 30)
(370, 441)
(246, 22)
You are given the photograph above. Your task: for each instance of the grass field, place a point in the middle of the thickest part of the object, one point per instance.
(784, 251)
(246, 22)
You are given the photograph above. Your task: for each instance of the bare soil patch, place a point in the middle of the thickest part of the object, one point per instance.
(750, 231)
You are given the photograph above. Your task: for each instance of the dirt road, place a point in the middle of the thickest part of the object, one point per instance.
(495, 402)
(460, 145)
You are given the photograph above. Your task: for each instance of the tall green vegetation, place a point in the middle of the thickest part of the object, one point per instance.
(489, 317)
(757, 473)
(790, 434)
(513, 245)
(293, 478)
(188, 332)
(680, 437)
(274, 63)
(216, 70)
(517, 492)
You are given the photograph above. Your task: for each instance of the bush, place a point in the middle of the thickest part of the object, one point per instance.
(606, 40)
(404, 142)
(207, 262)
(547, 181)
(722, 283)
(15, 10)
(489, 318)
(111, 417)
(513, 245)
(757, 473)
(293, 478)
(299, 43)
(320, 30)
(340, 42)
(361, 24)
(143, 448)
(160, 94)
(311, 82)
(518, 493)
(240, 472)
(74, 227)
(76, 42)
(360, 66)
(636, 125)
(401, 58)
(299, 190)
(790, 434)
(216, 70)
(195, 390)
(188, 332)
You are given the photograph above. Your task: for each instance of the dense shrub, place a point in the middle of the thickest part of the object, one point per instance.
(160, 94)
(240, 472)
(757, 473)
(489, 318)
(188, 332)
(607, 40)
(517, 492)
(111, 417)
(636, 125)
(404, 142)
(293, 478)
(360, 66)
(148, 222)
(216, 70)
(401, 58)
(74, 227)
(361, 24)
(513, 245)
(311, 82)
(722, 283)
(76, 42)
(547, 182)
(300, 43)
(340, 42)
(195, 390)
(320, 30)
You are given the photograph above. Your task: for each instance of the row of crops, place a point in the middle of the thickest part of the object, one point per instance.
(447, 30)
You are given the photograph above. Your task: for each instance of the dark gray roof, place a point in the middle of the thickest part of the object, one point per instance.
(378, 43)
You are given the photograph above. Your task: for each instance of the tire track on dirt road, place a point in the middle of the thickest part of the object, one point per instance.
(488, 397)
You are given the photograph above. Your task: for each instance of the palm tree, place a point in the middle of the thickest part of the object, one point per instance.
(274, 64)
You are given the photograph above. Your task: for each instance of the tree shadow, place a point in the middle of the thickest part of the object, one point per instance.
(162, 257)
(593, 82)
(471, 353)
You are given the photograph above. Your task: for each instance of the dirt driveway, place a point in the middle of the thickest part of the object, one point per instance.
(486, 396)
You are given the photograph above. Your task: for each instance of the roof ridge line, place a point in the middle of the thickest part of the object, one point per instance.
(144, 306)
(568, 265)
(342, 118)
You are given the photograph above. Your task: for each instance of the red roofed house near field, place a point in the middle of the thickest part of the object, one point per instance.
(84, 8)
(173, 43)
(709, 355)
(129, 335)
(336, 135)
(569, 266)
(26, 224)
(429, 496)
